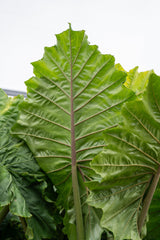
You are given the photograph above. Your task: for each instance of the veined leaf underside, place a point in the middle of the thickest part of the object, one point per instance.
(129, 166)
(72, 80)
(76, 94)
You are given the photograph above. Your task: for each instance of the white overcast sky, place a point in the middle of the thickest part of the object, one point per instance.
(127, 29)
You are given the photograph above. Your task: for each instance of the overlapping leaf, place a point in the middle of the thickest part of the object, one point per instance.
(76, 94)
(21, 181)
(137, 81)
(128, 165)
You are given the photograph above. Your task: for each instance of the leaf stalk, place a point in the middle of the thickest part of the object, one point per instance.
(147, 200)
(77, 204)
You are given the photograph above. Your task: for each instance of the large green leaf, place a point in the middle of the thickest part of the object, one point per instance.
(129, 166)
(75, 95)
(21, 182)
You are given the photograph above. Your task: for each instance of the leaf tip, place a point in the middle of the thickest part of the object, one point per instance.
(70, 26)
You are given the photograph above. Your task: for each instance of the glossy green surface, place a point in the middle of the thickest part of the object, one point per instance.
(73, 79)
(128, 165)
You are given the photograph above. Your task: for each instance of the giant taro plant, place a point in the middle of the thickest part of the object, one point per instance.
(75, 95)
(72, 113)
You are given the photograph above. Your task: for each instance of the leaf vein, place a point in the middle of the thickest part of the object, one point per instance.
(84, 149)
(53, 156)
(93, 77)
(50, 100)
(83, 67)
(59, 169)
(78, 51)
(47, 120)
(92, 133)
(122, 190)
(97, 95)
(123, 165)
(96, 114)
(135, 147)
(44, 138)
(147, 130)
(61, 70)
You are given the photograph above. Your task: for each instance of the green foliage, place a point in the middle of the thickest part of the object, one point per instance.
(130, 167)
(100, 153)
(22, 183)
(137, 81)
(76, 94)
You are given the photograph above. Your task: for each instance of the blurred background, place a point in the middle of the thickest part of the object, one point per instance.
(127, 29)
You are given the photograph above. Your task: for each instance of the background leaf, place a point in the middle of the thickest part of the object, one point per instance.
(137, 81)
(22, 184)
(128, 165)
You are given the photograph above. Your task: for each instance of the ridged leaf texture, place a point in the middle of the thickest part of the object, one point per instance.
(22, 183)
(75, 95)
(130, 167)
